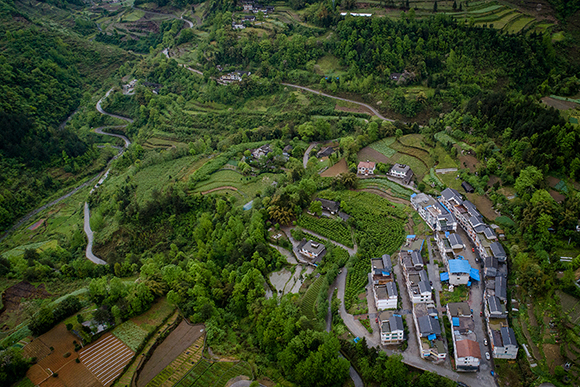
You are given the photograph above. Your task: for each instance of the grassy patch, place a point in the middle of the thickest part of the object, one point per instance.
(308, 305)
(130, 334)
(459, 294)
(384, 146)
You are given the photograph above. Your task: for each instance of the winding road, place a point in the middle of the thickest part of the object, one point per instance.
(373, 110)
(87, 214)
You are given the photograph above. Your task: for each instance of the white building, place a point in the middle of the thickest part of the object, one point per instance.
(312, 249)
(366, 168)
(437, 217)
(459, 271)
(386, 296)
(467, 355)
(504, 344)
(416, 278)
(392, 330)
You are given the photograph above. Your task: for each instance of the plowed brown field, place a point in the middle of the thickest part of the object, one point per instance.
(106, 358)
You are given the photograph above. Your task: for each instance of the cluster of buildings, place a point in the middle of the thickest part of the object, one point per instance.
(250, 6)
(403, 173)
(425, 316)
(467, 353)
(444, 216)
(235, 76)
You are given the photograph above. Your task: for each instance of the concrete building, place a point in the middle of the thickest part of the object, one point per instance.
(386, 296)
(504, 344)
(416, 278)
(311, 249)
(382, 270)
(467, 355)
(428, 332)
(366, 168)
(401, 171)
(459, 271)
(437, 217)
(392, 330)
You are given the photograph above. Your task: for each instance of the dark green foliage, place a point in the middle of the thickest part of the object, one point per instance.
(46, 317)
(12, 366)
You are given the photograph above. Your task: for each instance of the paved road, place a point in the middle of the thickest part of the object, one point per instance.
(307, 153)
(351, 251)
(89, 232)
(373, 110)
(87, 218)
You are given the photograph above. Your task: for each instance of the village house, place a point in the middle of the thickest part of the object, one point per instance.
(391, 328)
(504, 344)
(428, 332)
(437, 217)
(329, 205)
(386, 296)
(459, 271)
(312, 250)
(467, 352)
(403, 172)
(262, 151)
(494, 308)
(382, 270)
(366, 168)
(467, 355)
(325, 152)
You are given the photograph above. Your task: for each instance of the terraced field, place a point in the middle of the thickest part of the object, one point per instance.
(208, 374)
(180, 366)
(308, 305)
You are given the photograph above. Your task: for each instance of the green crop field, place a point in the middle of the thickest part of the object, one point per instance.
(130, 334)
(334, 229)
(384, 146)
(247, 186)
(308, 305)
(419, 168)
(387, 185)
(356, 280)
(520, 23)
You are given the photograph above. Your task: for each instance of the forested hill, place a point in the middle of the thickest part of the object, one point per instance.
(43, 74)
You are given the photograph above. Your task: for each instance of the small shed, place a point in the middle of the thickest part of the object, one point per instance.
(467, 187)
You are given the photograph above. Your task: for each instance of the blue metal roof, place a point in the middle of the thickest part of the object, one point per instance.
(444, 276)
(455, 321)
(248, 205)
(474, 274)
(413, 195)
(432, 336)
(459, 266)
(410, 236)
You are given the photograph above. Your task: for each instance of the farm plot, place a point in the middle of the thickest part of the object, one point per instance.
(570, 306)
(386, 185)
(106, 358)
(384, 146)
(130, 334)
(180, 366)
(334, 229)
(206, 374)
(175, 344)
(61, 340)
(308, 305)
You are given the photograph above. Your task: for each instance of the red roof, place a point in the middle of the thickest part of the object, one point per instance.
(367, 164)
(467, 347)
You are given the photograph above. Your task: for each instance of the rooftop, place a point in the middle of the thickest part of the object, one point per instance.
(329, 204)
(467, 348)
(313, 247)
(459, 266)
(457, 309)
(367, 164)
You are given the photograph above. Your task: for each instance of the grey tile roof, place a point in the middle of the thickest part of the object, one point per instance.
(494, 304)
(508, 337)
(313, 247)
(490, 262)
(396, 323)
(423, 275)
(416, 258)
(392, 289)
(424, 287)
(489, 233)
(387, 264)
(498, 251)
(455, 239)
(471, 209)
(450, 193)
(400, 168)
(428, 325)
(329, 204)
(475, 221)
(501, 288)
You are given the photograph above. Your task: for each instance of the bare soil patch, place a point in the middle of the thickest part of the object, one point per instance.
(552, 181)
(76, 374)
(336, 169)
(370, 154)
(558, 104)
(36, 225)
(177, 342)
(468, 161)
(352, 108)
(494, 179)
(61, 340)
(553, 357)
(36, 349)
(12, 297)
(557, 196)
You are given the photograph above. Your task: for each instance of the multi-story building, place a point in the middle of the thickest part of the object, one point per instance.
(382, 270)
(428, 332)
(416, 278)
(391, 328)
(503, 343)
(386, 296)
(467, 352)
(437, 217)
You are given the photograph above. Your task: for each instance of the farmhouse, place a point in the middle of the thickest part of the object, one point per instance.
(250, 18)
(498, 251)
(392, 330)
(428, 332)
(459, 271)
(467, 355)
(504, 344)
(325, 152)
(329, 205)
(366, 168)
(416, 277)
(382, 270)
(437, 217)
(490, 265)
(311, 249)
(402, 171)
(494, 308)
(467, 187)
(262, 151)
(386, 296)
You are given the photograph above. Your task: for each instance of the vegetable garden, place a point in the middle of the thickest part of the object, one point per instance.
(130, 334)
(334, 229)
(379, 230)
(308, 304)
(207, 374)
